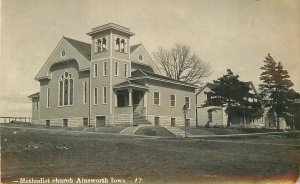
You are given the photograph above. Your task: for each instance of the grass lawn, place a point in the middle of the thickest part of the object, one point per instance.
(51, 153)
(226, 131)
(114, 129)
(154, 131)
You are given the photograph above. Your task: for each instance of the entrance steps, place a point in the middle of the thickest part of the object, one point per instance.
(139, 119)
(176, 131)
(129, 130)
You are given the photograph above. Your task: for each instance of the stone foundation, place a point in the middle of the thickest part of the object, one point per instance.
(72, 122)
(166, 120)
(117, 120)
(123, 120)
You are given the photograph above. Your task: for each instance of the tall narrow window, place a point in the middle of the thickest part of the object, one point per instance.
(156, 98)
(84, 92)
(118, 44)
(48, 97)
(104, 95)
(116, 68)
(126, 70)
(66, 89)
(99, 45)
(95, 96)
(95, 70)
(71, 92)
(187, 101)
(125, 47)
(61, 96)
(122, 45)
(66, 92)
(104, 44)
(104, 68)
(173, 100)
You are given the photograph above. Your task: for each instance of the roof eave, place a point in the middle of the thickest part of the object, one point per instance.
(125, 86)
(163, 80)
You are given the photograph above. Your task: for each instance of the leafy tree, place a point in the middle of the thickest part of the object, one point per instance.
(276, 88)
(229, 91)
(181, 64)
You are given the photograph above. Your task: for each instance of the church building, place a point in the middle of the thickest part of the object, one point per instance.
(108, 83)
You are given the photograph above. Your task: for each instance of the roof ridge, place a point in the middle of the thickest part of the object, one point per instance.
(72, 39)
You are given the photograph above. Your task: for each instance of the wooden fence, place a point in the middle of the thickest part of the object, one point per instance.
(15, 119)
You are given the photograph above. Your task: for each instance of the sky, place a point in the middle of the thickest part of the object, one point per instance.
(235, 34)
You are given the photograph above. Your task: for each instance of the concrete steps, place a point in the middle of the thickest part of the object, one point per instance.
(139, 120)
(129, 130)
(176, 131)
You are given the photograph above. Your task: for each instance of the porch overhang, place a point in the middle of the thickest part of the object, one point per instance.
(34, 96)
(130, 86)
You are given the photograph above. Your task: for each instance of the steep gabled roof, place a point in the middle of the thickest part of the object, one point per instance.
(134, 47)
(208, 85)
(81, 56)
(82, 47)
(85, 48)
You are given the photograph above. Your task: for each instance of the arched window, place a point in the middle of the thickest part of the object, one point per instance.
(66, 89)
(122, 45)
(104, 44)
(99, 45)
(117, 46)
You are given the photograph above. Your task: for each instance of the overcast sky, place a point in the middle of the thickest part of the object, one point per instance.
(235, 34)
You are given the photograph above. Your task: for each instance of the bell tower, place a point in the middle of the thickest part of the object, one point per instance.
(110, 65)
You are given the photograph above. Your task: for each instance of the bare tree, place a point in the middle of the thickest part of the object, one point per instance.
(181, 64)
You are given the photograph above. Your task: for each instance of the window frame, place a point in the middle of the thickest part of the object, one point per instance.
(62, 90)
(125, 70)
(48, 98)
(95, 96)
(71, 92)
(99, 44)
(37, 105)
(189, 104)
(158, 98)
(95, 70)
(104, 65)
(120, 44)
(84, 92)
(116, 69)
(104, 96)
(171, 100)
